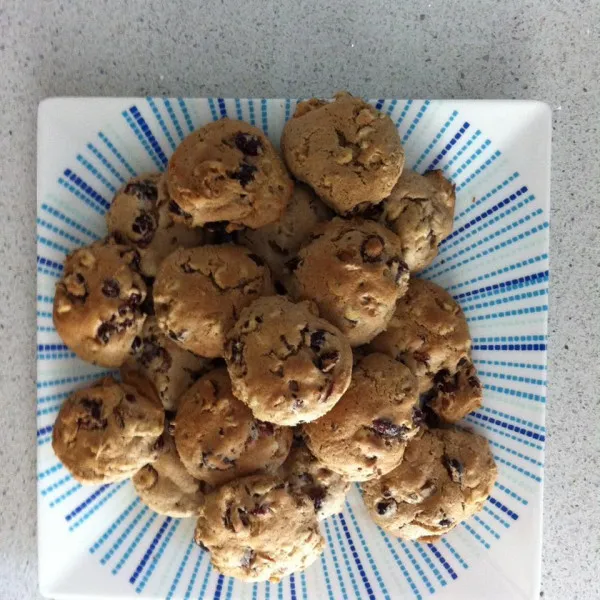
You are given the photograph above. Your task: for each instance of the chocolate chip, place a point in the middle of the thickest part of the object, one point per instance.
(418, 417)
(130, 398)
(245, 174)
(79, 278)
(454, 468)
(248, 558)
(136, 344)
(156, 356)
(372, 248)
(170, 415)
(93, 420)
(134, 299)
(293, 263)
(248, 144)
(445, 522)
(111, 288)
(326, 362)
(384, 507)
(143, 190)
(260, 510)
(202, 546)
(317, 339)
(445, 382)
(244, 518)
(256, 259)
(388, 429)
(294, 386)
(105, 331)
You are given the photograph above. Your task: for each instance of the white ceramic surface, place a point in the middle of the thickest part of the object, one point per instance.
(101, 542)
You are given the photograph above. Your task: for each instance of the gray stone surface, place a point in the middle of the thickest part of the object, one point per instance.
(468, 49)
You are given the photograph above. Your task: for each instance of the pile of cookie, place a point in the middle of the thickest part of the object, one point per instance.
(274, 343)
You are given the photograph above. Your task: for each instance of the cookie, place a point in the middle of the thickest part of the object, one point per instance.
(108, 431)
(354, 271)
(280, 241)
(420, 211)
(306, 475)
(228, 171)
(364, 435)
(166, 486)
(199, 293)
(428, 332)
(139, 216)
(97, 303)
(445, 477)
(288, 365)
(347, 151)
(455, 395)
(217, 437)
(257, 530)
(171, 368)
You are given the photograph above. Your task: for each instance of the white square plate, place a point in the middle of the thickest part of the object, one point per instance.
(102, 542)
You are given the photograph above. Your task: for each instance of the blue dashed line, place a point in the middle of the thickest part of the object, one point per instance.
(118, 155)
(161, 122)
(69, 221)
(462, 150)
(177, 579)
(478, 171)
(533, 461)
(53, 487)
(222, 107)
(238, 109)
(186, 114)
(504, 286)
(454, 553)
(114, 489)
(475, 535)
(487, 196)
(326, 576)
(66, 495)
(213, 109)
(426, 558)
(125, 535)
(149, 551)
(147, 132)
(443, 561)
(470, 160)
(404, 570)
(509, 426)
(505, 300)
(86, 188)
(142, 140)
(336, 565)
(90, 167)
(251, 112)
(516, 393)
(391, 107)
(50, 471)
(512, 494)
(190, 586)
(51, 244)
(105, 162)
(173, 117)
(134, 544)
(415, 563)
(416, 120)
(87, 502)
(403, 113)
(517, 378)
(449, 145)
(71, 188)
(264, 116)
(489, 529)
(104, 537)
(496, 517)
(41, 260)
(488, 427)
(436, 139)
(219, 588)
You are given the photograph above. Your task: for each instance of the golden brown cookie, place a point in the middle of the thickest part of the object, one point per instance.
(228, 171)
(171, 368)
(428, 332)
(257, 530)
(308, 476)
(139, 216)
(279, 241)
(420, 211)
(97, 302)
(217, 437)
(347, 151)
(445, 477)
(288, 365)
(166, 486)
(365, 434)
(354, 271)
(199, 293)
(107, 431)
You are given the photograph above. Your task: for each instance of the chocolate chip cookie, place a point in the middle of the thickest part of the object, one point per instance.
(365, 434)
(347, 151)
(288, 365)
(228, 171)
(97, 302)
(354, 271)
(307, 475)
(171, 368)
(108, 431)
(217, 437)
(257, 530)
(428, 332)
(200, 292)
(445, 477)
(139, 215)
(166, 486)
(420, 211)
(277, 243)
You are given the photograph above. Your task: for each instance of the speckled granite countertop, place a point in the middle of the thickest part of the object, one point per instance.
(471, 49)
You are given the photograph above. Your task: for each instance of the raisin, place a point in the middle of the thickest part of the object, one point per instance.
(136, 344)
(445, 383)
(237, 352)
(326, 362)
(93, 419)
(134, 300)
(144, 226)
(260, 510)
(248, 144)
(445, 522)
(294, 386)
(244, 518)
(388, 429)
(105, 332)
(372, 248)
(130, 398)
(317, 339)
(384, 507)
(143, 190)
(317, 494)
(111, 288)
(245, 174)
(418, 417)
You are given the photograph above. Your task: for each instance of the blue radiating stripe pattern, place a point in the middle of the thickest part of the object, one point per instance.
(494, 263)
